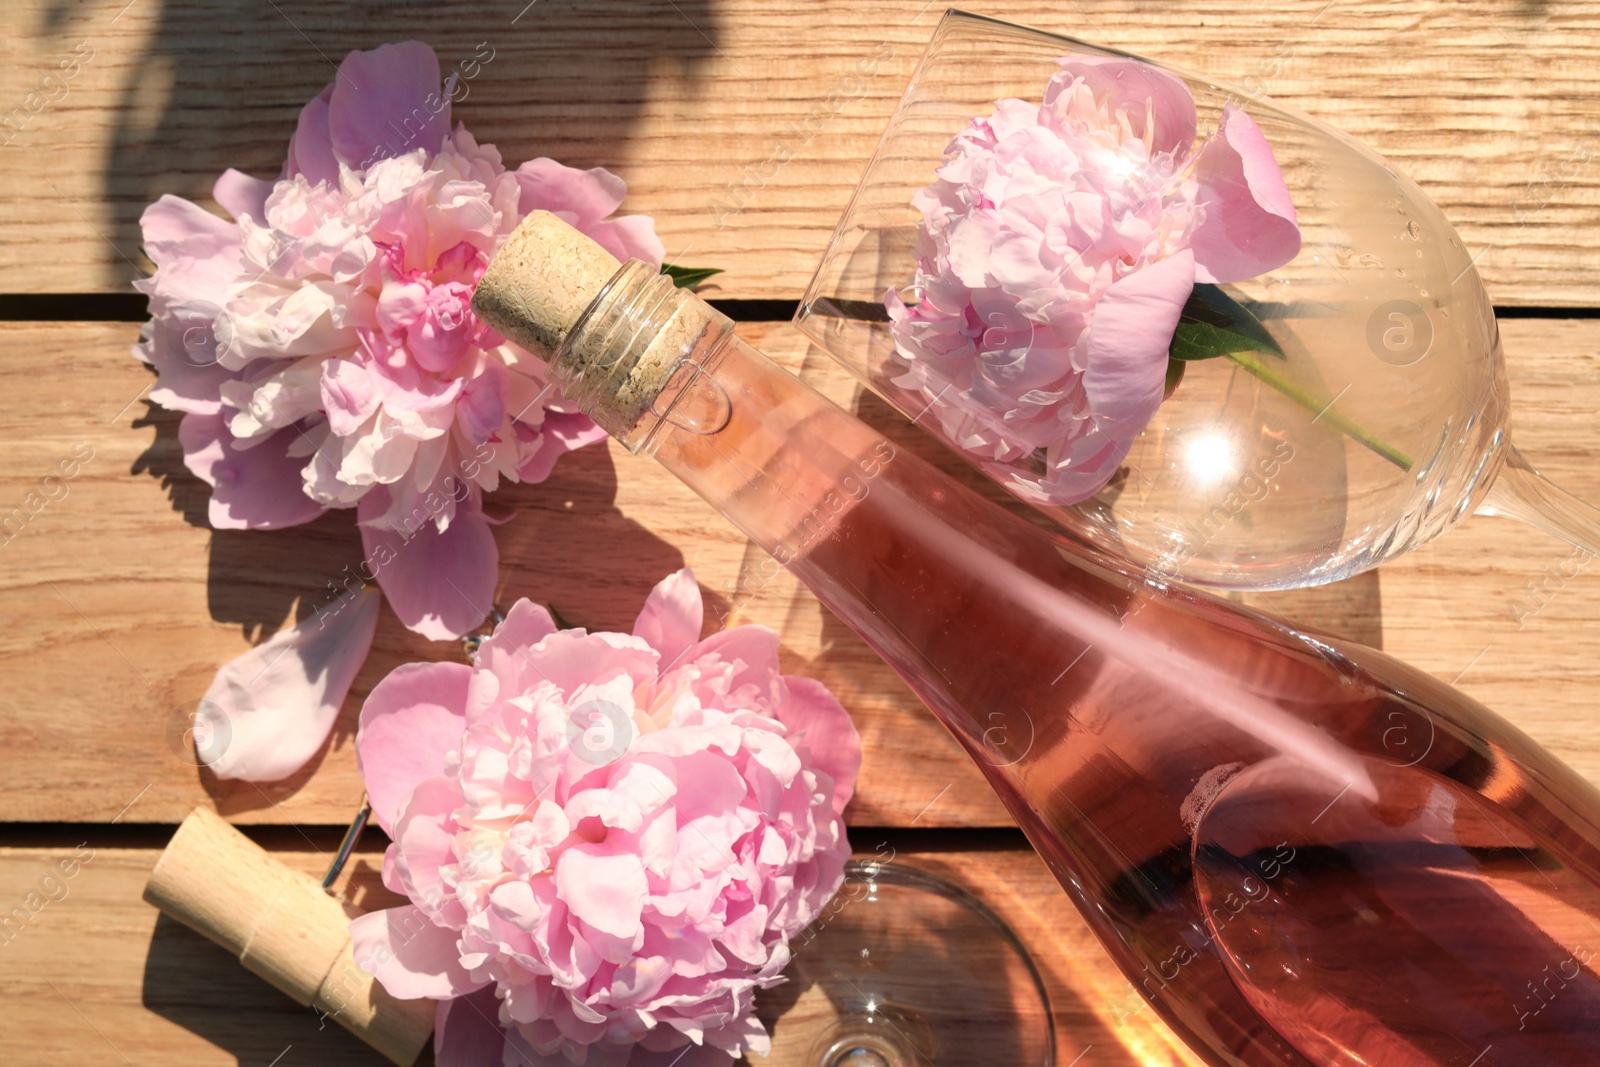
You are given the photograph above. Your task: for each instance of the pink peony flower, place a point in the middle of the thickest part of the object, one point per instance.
(1057, 248)
(323, 349)
(608, 839)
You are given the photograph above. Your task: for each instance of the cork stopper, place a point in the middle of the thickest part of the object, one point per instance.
(616, 338)
(283, 927)
(540, 283)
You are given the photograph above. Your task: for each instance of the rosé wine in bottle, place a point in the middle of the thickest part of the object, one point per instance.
(1298, 849)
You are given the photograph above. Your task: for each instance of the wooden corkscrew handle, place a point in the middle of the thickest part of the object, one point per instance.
(282, 926)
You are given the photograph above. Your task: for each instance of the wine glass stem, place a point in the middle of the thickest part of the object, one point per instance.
(1520, 492)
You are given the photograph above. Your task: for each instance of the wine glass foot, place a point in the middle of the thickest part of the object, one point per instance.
(906, 969)
(861, 1041)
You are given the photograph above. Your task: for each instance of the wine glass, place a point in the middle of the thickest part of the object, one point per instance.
(905, 969)
(1379, 423)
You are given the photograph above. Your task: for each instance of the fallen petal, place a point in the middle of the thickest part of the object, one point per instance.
(270, 710)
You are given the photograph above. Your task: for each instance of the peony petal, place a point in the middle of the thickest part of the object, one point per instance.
(440, 584)
(629, 237)
(173, 226)
(582, 664)
(822, 732)
(1014, 262)
(198, 254)
(386, 103)
(409, 955)
(561, 433)
(409, 721)
(1141, 89)
(1129, 339)
(240, 195)
(606, 891)
(1248, 224)
(388, 875)
(311, 148)
(672, 616)
(256, 489)
(425, 838)
(269, 710)
(585, 195)
(754, 646)
(349, 395)
(504, 653)
(971, 244)
(182, 347)
(467, 1031)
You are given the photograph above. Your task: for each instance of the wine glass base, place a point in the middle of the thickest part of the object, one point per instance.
(857, 1042)
(905, 969)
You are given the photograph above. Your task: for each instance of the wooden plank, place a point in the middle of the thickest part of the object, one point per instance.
(763, 104)
(98, 976)
(120, 607)
(122, 604)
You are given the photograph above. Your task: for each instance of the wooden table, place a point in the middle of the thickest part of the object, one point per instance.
(119, 603)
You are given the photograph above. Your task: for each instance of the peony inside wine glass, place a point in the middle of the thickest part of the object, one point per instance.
(1328, 413)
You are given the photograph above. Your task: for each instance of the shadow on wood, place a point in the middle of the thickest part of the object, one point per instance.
(198, 986)
(563, 78)
(256, 577)
(566, 545)
(571, 548)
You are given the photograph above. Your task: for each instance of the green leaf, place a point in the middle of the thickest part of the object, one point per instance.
(1213, 324)
(688, 277)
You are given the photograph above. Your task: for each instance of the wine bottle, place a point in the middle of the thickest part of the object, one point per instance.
(1299, 850)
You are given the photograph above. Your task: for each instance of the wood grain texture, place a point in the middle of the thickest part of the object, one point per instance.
(121, 604)
(763, 104)
(98, 976)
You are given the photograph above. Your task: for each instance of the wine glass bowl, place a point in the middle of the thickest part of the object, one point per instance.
(1380, 424)
(904, 968)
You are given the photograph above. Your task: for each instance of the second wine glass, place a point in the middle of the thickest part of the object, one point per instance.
(1361, 410)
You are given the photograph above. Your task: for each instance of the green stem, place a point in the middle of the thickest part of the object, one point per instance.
(1322, 409)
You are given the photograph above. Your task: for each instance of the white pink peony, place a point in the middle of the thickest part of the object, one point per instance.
(608, 839)
(322, 347)
(1058, 245)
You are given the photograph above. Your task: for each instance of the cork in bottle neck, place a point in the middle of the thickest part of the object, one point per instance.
(629, 357)
(623, 343)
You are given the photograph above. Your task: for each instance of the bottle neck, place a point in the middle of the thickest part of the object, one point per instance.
(662, 372)
(633, 355)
